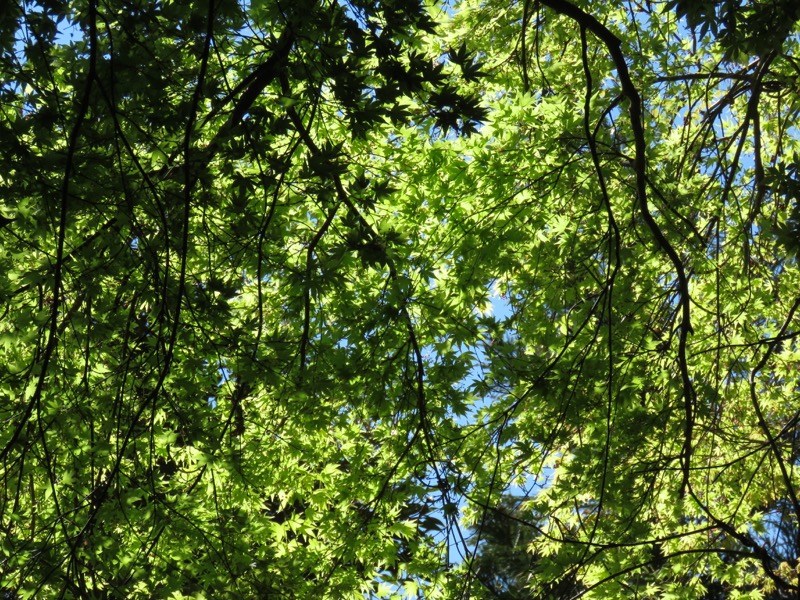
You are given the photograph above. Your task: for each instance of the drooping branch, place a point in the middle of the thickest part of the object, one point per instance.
(102, 489)
(762, 421)
(344, 199)
(629, 89)
(60, 258)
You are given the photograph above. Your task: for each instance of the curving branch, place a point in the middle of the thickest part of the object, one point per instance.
(613, 43)
(61, 256)
(344, 199)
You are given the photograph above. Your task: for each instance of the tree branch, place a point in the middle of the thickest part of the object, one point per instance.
(613, 43)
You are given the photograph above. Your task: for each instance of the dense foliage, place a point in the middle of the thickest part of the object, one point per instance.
(297, 294)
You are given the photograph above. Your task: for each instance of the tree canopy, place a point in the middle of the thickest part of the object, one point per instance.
(316, 298)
